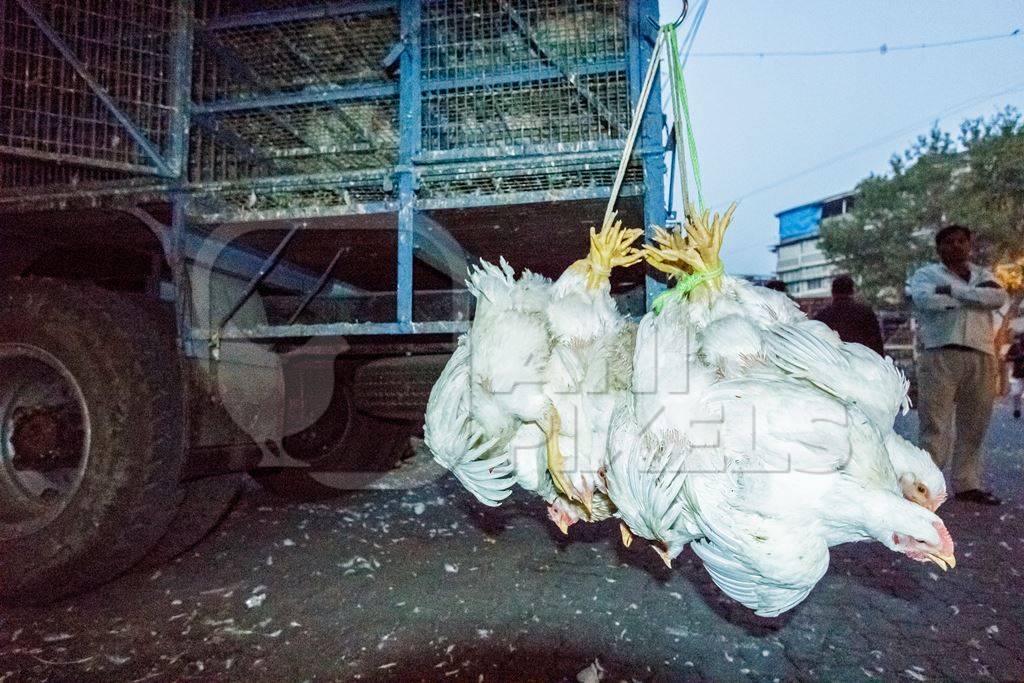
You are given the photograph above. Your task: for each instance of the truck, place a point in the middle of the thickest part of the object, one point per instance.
(234, 236)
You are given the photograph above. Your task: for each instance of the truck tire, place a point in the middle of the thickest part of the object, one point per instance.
(91, 437)
(382, 410)
(204, 504)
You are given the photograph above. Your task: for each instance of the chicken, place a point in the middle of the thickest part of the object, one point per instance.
(645, 477)
(864, 379)
(737, 328)
(761, 492)
(457, 442)
(529, 393)
(714, 455)
(684, 427)
(792, 484)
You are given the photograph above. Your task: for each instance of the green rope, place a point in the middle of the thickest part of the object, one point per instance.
(681, 103)
(684, 287)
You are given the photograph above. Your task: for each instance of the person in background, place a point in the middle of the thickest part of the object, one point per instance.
(1016, 357)
(852, 320)
(777, 285)
(953, 302)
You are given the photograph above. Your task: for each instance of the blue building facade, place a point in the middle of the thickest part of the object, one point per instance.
(801, 264)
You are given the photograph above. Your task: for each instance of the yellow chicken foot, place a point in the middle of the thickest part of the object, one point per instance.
(706, 233)
(609, 249)
(696, 252)
(627, 535)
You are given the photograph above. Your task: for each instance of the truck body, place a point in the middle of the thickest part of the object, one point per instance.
(285, 197)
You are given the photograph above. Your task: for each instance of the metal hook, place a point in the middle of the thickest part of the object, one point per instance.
(682, 15)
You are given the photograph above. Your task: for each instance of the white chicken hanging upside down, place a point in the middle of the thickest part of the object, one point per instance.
(726, 420)
(536, 378)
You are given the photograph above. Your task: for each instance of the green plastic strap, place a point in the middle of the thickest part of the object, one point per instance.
(681, 103)
(684, 287)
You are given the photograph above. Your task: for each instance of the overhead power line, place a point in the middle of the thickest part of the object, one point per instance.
(882, 49)
(886, 138)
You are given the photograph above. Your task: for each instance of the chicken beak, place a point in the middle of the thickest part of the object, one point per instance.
(946, 561)
(663, 553)
(563, 526)
(627, 535)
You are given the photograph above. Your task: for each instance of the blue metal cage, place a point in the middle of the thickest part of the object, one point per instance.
(297, 121)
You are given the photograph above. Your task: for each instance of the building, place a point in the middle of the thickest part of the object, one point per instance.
(801, 264)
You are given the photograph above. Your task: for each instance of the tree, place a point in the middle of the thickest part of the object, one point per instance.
(989, 197)
(977, 180)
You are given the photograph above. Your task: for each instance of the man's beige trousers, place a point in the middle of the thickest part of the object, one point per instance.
(955, 390)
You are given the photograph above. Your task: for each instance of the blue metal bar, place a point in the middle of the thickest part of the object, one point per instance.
(536, 162)
(385, 89)
(179, 273)
(240, 216)
(410, 114)
(144, 143)
(522, 76)
(531, 197)
(422, 204)
(22, 199)
(560, 150)
(180, 56)
(322, 96)
(78, 160)
(351, 178)
(320, 11)
(653, 154)
(268, 332)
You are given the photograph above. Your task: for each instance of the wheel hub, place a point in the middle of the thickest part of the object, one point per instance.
(44, 438)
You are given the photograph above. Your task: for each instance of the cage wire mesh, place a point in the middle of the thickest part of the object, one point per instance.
(305, 138)
(291, 56)
(547, 112)
(238, 60)
(497, 76)
(473, 37)
(48, 109)
(449, 183)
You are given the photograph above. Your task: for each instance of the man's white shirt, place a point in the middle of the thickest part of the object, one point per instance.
(964, 316)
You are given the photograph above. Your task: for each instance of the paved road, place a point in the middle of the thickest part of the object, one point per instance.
(427, 585)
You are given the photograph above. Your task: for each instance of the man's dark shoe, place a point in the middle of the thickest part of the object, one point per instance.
(979, 496)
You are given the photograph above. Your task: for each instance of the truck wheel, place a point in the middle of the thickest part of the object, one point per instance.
(91, 437)
(204, 504)
(381, 411)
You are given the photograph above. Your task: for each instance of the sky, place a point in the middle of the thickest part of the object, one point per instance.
(833, 119)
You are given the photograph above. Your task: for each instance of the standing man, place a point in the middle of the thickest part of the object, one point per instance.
(953, 303)
(852, 320)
